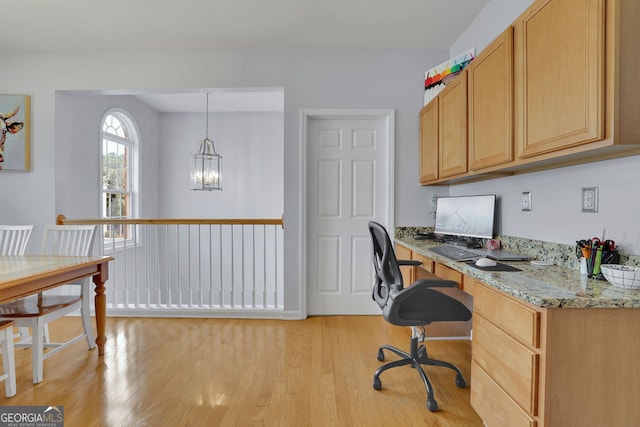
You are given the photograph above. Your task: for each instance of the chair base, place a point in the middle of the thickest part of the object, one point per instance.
(416, 358)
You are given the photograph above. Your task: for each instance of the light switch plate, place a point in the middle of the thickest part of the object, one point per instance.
(526, 201)
(590, 199)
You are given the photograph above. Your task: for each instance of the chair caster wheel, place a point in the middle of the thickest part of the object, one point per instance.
(432, 405)
(460, 382)
(377, 384)
(380, 356)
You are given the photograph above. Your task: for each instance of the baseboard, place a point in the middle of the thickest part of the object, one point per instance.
(195, 313)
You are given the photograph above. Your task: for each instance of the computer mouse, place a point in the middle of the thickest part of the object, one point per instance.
(485, 262)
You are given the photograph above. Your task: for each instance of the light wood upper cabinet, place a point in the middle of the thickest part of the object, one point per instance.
(452, 127)
(443, 133)
(429, 142)
(575, 93)
(490, 99)
(559, 75)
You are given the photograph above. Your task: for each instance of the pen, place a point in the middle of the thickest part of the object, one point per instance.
(592, 258)
(597, 261)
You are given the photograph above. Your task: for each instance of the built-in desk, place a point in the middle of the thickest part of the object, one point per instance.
(548, 348)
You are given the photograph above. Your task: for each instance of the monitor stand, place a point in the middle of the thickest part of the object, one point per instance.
(469, 242)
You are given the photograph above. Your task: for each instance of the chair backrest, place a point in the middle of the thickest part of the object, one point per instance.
(14, 239)
(68, 240)
(388, 276)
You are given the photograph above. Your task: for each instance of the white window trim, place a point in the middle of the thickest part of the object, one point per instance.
(132, 144)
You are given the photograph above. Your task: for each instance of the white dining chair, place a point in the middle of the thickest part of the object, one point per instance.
(37, 311)
(14, 239)
(8, 358)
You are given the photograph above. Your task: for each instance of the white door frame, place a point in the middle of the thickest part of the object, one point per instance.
(305, 116)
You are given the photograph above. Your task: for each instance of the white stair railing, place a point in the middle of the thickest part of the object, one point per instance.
(192, 267)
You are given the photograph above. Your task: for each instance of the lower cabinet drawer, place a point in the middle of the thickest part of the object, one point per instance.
(427, 263)
(508, 362)
(447, 273)
(404, 253)
(518, 320)
(493, 405)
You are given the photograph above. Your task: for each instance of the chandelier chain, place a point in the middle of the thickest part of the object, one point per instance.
(207, 116)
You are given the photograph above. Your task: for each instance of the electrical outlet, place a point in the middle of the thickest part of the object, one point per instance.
(590, 199)
(526, 201)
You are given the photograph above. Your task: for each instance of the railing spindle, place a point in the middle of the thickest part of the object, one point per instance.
(232, 264)
(253, 266)
(264, 263)
(242, 294)
(220, 291)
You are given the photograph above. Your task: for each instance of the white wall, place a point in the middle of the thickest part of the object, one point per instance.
(556, 194)
(78, 144)
(311, 78)
(494, 18)
(251, 146)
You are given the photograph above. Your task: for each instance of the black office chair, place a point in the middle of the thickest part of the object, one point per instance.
(417, 305)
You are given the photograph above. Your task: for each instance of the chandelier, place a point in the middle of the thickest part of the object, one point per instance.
(206, 164)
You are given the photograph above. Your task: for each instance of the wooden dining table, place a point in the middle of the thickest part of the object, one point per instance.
(21, 276)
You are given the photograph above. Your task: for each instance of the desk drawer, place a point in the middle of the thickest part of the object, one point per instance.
(513, 366)
(493, 405)
(404, 253)
(516, 319)
(427, 263)
(447, 273)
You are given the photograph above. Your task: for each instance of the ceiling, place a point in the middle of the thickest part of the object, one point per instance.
(220, 100)
(126, 24)
(67, 25)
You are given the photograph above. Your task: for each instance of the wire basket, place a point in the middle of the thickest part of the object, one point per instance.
(622, 276)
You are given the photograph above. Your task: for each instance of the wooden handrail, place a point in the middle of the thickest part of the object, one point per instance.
(63, 220)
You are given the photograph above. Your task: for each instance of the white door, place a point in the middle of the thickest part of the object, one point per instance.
(349, 182)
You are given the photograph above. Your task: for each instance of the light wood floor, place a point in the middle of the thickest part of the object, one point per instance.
(231, 372)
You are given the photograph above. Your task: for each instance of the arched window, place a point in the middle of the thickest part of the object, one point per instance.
(119, 173)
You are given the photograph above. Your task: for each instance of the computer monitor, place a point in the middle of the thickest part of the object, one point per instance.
(466, 216)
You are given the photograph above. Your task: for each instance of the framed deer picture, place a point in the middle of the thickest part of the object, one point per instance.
(15, 122)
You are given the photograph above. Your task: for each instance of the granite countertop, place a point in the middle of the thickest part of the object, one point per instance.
(543, 286)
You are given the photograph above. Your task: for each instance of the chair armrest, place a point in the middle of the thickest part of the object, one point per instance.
(401, 295)
(409, 262)
(423, 283)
